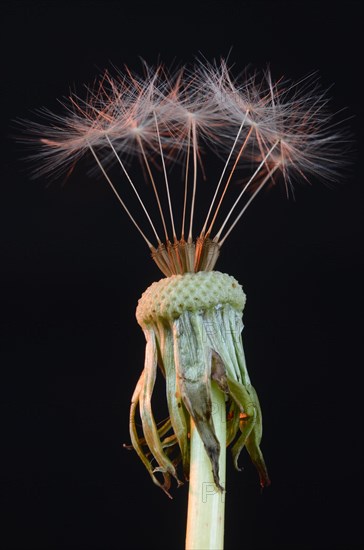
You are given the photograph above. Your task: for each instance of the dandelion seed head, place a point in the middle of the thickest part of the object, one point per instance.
(264, 130)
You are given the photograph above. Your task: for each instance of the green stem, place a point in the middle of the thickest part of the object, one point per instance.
(206, 504)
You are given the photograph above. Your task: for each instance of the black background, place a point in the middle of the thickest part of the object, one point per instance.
(73, 269)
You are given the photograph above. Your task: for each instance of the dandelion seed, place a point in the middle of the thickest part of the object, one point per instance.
(192, 318)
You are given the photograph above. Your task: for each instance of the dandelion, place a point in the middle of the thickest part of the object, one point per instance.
(267, 132)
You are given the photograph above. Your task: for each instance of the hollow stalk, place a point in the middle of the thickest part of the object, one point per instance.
(206, 503)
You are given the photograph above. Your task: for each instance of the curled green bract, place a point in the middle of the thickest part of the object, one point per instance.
(192, 325)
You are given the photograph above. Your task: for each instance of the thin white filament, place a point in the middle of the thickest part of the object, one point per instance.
(165, 177)
(267, 177)
(118, 196)
(186, 186)
(194, 145)
(217, 236)
(222, 174)
(134, 188)
(228, 181)
(154, 186)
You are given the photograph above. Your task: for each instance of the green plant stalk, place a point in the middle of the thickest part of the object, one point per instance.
(206, 503)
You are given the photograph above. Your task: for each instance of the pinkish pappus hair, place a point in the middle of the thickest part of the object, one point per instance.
(265, 131)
